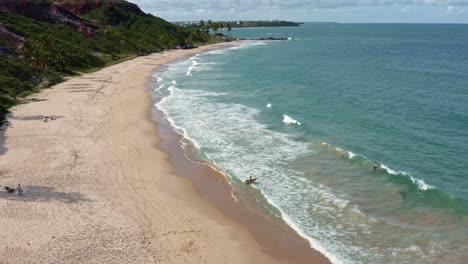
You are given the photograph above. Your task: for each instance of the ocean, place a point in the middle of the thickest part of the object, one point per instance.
(310, 117)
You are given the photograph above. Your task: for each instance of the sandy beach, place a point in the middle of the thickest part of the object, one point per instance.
(99, 189)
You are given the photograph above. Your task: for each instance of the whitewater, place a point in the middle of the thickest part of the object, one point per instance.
(311, 121)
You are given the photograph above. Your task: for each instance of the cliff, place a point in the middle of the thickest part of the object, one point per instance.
(82, 7)
(10, 38)
(46, 11)
(41, 41)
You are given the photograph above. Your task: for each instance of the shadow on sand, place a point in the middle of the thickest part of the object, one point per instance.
(7, 125)
(43, 194)
(3, 128)
(34, 117)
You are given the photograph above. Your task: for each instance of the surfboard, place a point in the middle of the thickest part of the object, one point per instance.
(250, 181)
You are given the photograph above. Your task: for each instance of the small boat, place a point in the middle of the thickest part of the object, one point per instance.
(250, 181)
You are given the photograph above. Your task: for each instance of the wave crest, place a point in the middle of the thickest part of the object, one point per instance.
(419, 183)
(289, 120)
(192, 67)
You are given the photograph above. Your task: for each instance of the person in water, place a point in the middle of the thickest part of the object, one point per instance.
(250, 180)
(374, 167)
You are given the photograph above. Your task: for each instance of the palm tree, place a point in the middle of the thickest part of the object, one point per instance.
(26, 51)
(11, 86)
(209, 25)
(215, 27)
(141, 46)
(229, 28)
(34, 53)
(60, 59)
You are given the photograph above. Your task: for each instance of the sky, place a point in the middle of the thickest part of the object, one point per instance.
(344, 11)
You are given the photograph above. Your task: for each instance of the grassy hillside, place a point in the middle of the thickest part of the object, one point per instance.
(37, 50)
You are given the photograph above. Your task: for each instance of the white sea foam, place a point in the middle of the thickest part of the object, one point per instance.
(216, 52)
(290, 120)
(260, 147)
(159, 87)
(312, 242)
(159, 79)
(235, 141)
(269, 105)
(385, 167)
(414, 248)
(236, 47)
(253, 44)
(423, 186)
(192, 67)
(263, 153)
(174, 82)
(350, 154)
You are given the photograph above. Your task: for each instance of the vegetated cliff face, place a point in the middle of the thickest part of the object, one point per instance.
(46, 11)
(47, 39)
(103, 12)
(9, 37)
(81, 7)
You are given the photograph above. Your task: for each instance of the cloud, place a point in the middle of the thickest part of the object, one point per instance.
(298, 9)
(454, 11)
(222, 5)
(405, 9)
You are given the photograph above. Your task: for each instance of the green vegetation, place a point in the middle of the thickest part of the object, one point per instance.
(14, 81)
(52, 50)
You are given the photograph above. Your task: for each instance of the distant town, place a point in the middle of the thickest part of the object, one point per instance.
(237, 24)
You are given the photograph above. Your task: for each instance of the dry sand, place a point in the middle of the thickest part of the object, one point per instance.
(96, 187)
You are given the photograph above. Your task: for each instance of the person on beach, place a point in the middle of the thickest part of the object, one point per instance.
(46, 119)
(20, 190)
(374, 167)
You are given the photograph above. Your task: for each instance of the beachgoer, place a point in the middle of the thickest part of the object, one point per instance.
(46, 119)
(374, 167)
(20, 190)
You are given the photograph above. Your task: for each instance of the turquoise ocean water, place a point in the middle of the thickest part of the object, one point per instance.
(311, 116)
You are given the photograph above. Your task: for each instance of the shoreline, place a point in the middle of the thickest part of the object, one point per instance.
(274, 235)
(98, 173)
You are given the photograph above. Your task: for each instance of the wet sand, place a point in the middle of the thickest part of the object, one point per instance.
(99, 186)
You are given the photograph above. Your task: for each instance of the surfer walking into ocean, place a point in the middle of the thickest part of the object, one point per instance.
(250, 180)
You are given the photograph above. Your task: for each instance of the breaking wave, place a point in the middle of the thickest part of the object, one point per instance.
(290, 120)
